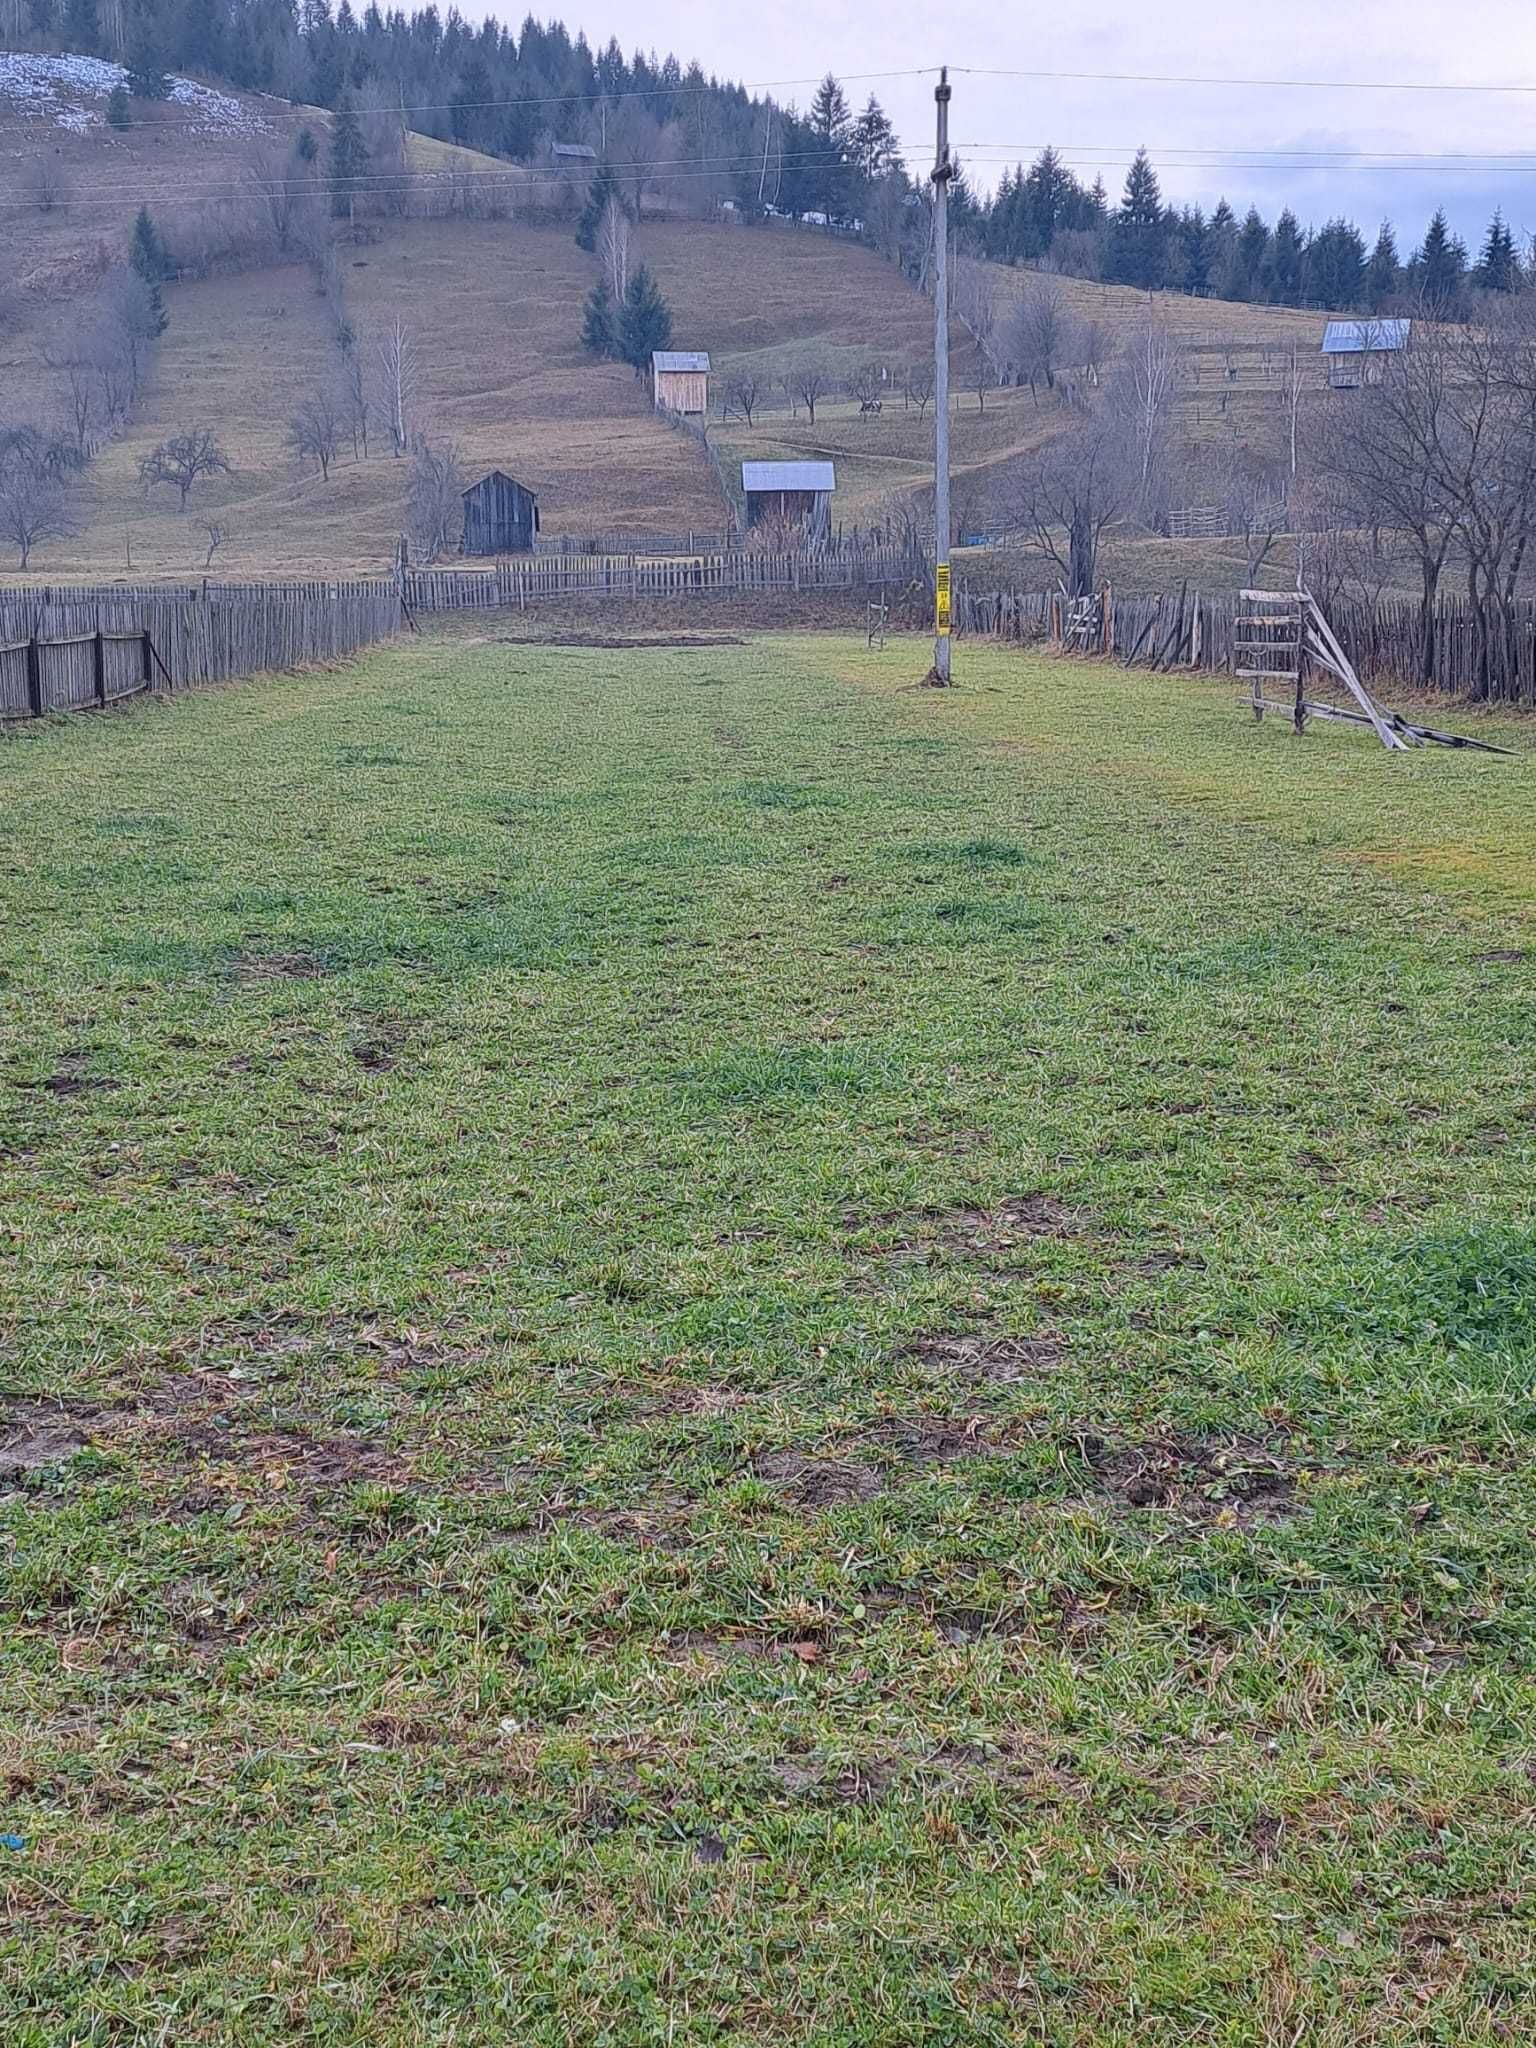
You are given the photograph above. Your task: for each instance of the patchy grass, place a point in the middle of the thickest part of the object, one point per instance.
(699, 1347)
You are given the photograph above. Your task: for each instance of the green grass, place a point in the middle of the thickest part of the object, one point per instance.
(701, 1348)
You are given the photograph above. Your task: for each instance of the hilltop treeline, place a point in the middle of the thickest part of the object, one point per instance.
(1046, 216)
(699, 143)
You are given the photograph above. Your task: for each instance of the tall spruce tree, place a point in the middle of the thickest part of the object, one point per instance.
(1251, 258)
(147, 79)
(645, 322)
(348, 158)
(1384, 272)
(599, 326)
(1286, 259)
(604, 191)
(831, 127)
(1498, 267)
(1138, 241)
(1441, 267)
(149, 260)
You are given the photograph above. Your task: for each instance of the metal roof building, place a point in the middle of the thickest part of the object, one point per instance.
(788, 476)
(577, 152)
(794, 493)
(680, 380)
(1350, 346)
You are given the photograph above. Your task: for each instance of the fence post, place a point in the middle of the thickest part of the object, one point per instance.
(34, 677)
(99, 660)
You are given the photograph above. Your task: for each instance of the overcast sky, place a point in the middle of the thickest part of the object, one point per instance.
(1099, 125)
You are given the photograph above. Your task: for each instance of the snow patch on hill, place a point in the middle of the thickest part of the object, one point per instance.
(71, 92)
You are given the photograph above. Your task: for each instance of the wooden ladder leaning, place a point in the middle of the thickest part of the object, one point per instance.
(1279, 636)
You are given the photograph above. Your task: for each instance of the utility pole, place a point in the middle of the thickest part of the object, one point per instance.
(942, 171)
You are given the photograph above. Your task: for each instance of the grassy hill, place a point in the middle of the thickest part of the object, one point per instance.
(494, 307)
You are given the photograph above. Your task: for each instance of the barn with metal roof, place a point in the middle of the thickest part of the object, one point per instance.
(1354, 349)
(795, 493)
(680, 379)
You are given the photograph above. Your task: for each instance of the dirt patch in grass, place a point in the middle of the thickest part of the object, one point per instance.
(818, 1482)
(1235, 1480)
(984, 1358)
(976, 1234)
(71, 1077)
(557, 638)
(259, 967)
(33, 1438)
(1019, 1220)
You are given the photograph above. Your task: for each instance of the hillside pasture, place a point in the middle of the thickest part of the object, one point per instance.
(698, 1346)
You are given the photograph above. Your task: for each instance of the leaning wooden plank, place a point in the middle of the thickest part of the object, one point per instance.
(1324, 635)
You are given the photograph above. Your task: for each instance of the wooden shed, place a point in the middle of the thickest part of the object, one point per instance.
(681, 380)
(798, 493)
(501, 516)
(1355, 351)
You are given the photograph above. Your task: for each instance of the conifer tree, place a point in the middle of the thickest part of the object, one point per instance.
(148, 258)
(1498, 268)
(349, 157)
(1384, 273)
(599, 330)
(1442, 266)
(645, 322)
(1138, 244)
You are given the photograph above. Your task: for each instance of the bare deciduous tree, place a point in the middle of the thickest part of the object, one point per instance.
(400, 377)
(216, 532)
(1147, 393)
(809, 379)
(920, 382)
(435, 499)
(613, 247)
(1092, 346)
(190, 454)
(1034, 337)
(1077, 486)
(1381, 450)
(48, 185)
(38, 501)
(353, 394)
(314, 432)
(743, 393)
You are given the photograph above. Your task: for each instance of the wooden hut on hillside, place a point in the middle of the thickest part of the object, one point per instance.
(794, 493)
(501, 516)
(681, 380)
(1355, 351)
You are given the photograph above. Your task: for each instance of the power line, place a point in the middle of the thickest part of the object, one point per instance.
(297, 108)
(1258, 84)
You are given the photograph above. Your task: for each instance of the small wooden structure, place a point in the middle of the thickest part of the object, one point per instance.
(794, 493)
(574, 154)
(1355, 351)
(501, 517)
(680, 378)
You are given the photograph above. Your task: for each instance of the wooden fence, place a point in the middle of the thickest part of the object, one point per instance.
(87, 642)
(1471, 656)
(524, 580)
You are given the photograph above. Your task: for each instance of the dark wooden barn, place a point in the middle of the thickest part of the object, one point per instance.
(501, 516)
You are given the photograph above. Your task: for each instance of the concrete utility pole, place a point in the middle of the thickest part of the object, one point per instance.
(942, 171)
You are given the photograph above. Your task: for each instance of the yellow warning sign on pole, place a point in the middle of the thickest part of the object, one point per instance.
(941, 597)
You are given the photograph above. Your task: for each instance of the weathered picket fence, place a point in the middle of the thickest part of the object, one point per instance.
(1470, 655)
(524, 580)
(63, 647)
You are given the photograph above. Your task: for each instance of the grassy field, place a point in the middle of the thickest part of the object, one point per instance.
(698, 1347)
